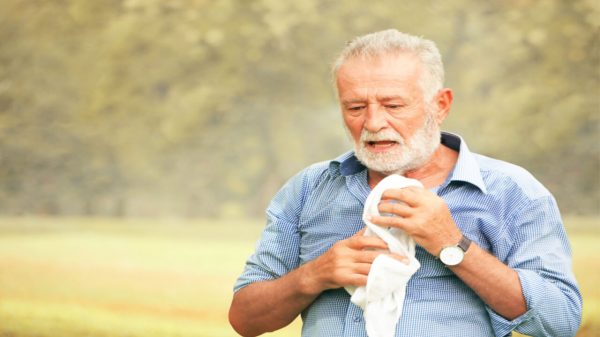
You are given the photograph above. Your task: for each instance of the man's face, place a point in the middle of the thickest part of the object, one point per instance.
(384, 110)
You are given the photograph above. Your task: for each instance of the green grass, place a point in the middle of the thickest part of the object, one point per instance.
(95, 277)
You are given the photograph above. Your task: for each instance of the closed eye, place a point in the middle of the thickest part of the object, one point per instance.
(394, 106)
(356, 108)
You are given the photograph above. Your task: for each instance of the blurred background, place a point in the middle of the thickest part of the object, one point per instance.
(141, 140)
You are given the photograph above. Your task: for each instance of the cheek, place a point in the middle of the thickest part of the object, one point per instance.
(402, 131)
(354, 126)
(406, 128)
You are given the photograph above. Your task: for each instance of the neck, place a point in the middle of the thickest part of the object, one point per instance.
(433, 173)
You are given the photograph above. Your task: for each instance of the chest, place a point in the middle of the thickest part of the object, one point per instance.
(336, 214)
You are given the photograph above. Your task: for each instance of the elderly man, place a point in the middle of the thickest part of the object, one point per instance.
(512, 270)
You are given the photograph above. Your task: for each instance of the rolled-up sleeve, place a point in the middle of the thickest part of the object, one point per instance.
(277, 251)
(538, 249)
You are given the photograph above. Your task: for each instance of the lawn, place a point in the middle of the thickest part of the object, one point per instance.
(97, 277)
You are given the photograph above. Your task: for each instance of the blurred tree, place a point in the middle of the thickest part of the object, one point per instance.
(204, 108)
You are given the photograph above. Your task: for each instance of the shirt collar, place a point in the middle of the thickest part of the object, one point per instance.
(347, 164)
(466, 168)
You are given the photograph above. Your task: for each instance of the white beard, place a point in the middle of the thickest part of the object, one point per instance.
(407, 155)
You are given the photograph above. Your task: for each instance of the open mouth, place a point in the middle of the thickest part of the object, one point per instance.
(381, 144)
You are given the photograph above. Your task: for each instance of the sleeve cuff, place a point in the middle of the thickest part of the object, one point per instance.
(504, 327)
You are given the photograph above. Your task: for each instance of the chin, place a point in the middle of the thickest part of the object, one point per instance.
(383, 163)
(390, 162)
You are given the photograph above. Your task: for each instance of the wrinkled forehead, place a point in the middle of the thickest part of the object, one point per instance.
(381, 73)
(399, 66)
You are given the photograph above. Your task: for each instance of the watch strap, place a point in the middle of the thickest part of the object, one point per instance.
(464, 243)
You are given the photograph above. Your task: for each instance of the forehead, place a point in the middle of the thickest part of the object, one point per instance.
(400, 71)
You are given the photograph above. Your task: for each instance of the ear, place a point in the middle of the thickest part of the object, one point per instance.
(443, 101)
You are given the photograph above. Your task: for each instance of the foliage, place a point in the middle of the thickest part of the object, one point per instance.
(204, 108)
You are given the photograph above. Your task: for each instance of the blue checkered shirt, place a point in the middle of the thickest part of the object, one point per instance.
(498, 205)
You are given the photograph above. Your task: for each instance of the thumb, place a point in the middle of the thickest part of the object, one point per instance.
(360, 232)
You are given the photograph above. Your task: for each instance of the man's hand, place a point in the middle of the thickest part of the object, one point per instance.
(426, 217)
(270, 305)
(422, 215)
(346, 263)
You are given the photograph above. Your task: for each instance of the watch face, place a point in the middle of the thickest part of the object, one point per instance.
(451, 256)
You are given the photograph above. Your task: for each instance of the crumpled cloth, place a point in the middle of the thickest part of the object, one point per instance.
(382, 298)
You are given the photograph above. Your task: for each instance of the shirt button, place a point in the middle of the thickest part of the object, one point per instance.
(357, 319)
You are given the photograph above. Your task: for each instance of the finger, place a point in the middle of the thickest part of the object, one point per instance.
(367, 242)
(410, 195)
(396, 208)
(357, 280)
(362, 268)
(368, 256)
(389, 221)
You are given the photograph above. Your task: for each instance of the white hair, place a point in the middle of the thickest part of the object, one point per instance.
(392, 41)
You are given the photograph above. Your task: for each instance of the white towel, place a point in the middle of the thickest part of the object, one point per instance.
(382, 298)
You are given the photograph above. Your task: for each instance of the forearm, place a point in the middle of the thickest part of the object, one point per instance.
(270, 305)
(553, 308)
(494, 282)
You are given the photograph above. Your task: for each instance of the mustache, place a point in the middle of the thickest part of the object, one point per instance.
(385, 135)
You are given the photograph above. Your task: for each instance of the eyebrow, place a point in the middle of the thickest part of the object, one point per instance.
(390, 98)
(352, 101)
(379, 98)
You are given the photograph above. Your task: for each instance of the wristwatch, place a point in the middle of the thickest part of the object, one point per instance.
(453, 255)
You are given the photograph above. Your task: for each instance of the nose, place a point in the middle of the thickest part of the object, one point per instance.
(375, 119)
